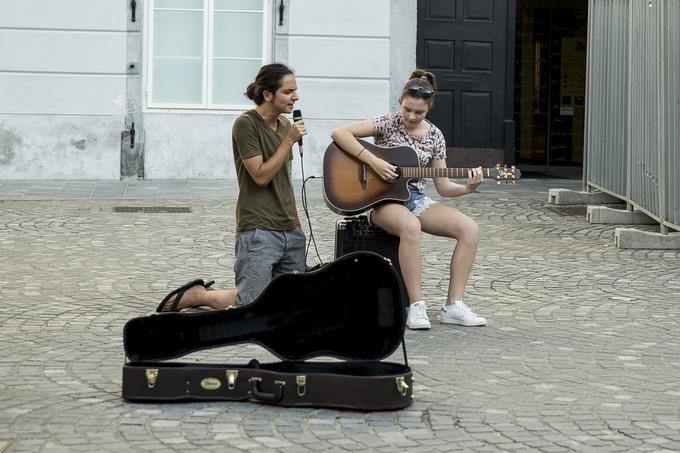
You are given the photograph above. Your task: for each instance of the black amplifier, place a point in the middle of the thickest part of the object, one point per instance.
(355, 233)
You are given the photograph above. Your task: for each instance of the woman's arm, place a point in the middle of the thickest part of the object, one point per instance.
(447, 188)
(346, 138)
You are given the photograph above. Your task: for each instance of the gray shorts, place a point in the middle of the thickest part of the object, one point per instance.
(262, 255)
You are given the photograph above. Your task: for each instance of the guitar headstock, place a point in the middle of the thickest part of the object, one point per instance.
(507, 173)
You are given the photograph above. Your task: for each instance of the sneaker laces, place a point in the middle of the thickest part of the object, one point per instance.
(463, 306)
(419, 310)
(461, 310)
(466, 311)
(458, 306)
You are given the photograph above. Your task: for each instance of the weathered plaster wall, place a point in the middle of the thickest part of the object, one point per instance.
(59, 147)
(69, 94)
(403, 43)
(186, 145)
(199, 146)
(63, 88)
(132, 137)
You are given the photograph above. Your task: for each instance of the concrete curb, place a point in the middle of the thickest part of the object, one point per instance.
(631, 238)
(566, 196)
(610, 216)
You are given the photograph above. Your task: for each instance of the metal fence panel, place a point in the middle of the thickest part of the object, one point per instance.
(606, 101)
(672, 80)
(633, 104)
(644, 106)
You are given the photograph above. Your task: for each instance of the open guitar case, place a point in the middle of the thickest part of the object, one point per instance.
(352, 309)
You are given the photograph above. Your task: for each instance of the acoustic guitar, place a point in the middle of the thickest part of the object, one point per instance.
(351, 187)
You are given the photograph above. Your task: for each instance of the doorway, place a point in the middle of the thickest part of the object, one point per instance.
(549, 87)
(468, 45)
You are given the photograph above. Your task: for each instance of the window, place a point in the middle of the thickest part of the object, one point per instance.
(203, 53)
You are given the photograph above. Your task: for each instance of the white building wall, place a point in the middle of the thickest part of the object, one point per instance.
(188, 145)
(66, 89)
(63, 88)
(342, 63)
(350, 59)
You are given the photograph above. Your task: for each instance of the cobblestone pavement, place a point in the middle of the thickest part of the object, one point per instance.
(582, 352)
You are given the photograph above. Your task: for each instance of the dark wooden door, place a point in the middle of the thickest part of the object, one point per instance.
(469, 46)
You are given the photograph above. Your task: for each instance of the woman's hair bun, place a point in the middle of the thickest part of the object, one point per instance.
(423, 74)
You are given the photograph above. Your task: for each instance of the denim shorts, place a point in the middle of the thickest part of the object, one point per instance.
(418, 202)
(262, 255)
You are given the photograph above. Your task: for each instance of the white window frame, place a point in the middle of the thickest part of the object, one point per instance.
(207, 81)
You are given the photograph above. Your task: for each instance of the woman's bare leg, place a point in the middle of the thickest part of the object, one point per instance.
(442, 220)
(398, 221)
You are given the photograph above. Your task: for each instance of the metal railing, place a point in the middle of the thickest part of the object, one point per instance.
(633, 105)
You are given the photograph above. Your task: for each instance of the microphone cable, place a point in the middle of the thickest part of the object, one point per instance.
(305, 207)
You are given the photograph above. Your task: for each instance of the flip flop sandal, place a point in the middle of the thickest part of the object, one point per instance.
(179, 292)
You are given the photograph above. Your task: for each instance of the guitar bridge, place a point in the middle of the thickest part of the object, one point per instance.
(362, 175)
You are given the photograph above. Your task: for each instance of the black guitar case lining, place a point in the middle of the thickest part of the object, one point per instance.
(351, 309)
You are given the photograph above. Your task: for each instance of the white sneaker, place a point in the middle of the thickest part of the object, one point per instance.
(417, 316)
(462, 315)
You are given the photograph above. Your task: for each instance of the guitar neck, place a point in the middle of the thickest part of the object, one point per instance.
(427, 172)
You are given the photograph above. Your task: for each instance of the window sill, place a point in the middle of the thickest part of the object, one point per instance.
(236, 110)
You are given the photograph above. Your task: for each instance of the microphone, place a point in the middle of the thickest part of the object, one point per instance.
(297, 116)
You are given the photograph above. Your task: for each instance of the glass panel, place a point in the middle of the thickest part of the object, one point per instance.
(238, 35)
(177, 81)
(182, 4)
(239, 5)
(178, 34)
(549, 92)
(231, 78)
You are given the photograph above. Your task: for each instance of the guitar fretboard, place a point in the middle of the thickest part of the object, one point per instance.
(418, 172)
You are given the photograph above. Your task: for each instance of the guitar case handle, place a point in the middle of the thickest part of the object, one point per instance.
(266, 397)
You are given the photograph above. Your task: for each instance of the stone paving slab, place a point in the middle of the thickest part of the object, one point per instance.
(185, 189)
(582, 352)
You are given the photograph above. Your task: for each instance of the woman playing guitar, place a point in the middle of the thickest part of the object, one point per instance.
(408, 127)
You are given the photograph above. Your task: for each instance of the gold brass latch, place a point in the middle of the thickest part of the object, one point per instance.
(402, 386)
(151, 377)
(232, 375)
(301, 382)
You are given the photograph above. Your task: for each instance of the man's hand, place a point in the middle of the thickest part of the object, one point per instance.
(296, 131)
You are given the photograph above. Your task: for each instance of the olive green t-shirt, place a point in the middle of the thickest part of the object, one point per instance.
(271, 207)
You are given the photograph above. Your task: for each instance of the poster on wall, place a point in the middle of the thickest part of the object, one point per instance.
(572, 77)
